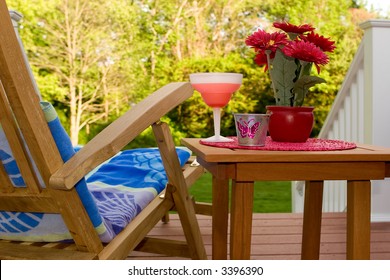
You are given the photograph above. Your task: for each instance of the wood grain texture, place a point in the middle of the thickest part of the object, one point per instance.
(357, 166)
(359, 216)
(312, 218)
(278, 236)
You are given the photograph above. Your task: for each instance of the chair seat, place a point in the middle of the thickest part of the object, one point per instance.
(121, 187)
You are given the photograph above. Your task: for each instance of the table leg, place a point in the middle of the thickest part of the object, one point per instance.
(241, 220)
(312, 217)
(220, 213)
(358, 220)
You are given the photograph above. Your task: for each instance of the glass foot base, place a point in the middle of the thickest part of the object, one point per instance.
(218, 138)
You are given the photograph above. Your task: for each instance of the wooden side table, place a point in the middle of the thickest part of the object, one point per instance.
(358, 166)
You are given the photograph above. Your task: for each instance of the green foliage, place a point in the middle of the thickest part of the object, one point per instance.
(124, 50)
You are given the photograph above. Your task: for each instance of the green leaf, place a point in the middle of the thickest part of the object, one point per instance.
(283, 73)
(302, 87)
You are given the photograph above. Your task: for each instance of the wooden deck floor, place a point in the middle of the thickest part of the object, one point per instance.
(278, 237)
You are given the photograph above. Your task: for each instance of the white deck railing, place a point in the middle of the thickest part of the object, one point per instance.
(360, 113)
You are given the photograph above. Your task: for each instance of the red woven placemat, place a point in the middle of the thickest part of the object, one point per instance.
(312, 144)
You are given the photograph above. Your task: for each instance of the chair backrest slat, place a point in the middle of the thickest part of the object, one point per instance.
(5, 182)
(24, 101)
(16, 144)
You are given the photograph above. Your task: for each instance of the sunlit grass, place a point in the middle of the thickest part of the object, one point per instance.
(270, 197)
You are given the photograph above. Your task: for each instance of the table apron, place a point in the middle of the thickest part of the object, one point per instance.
(219, 170)
(310, 171)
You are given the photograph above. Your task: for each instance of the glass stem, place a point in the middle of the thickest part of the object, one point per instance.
(217, 122)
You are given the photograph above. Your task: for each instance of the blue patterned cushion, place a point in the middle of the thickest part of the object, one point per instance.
(66, 150)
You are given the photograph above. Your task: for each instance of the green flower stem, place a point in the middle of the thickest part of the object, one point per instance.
(268, 52)
(302, 68)
(306, 68)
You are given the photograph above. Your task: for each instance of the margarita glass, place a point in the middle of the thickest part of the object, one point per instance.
(216, 90)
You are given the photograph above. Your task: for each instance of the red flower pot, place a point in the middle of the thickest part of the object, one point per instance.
(290, 124)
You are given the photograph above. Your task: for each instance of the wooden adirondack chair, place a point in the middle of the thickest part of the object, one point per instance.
(23, 122)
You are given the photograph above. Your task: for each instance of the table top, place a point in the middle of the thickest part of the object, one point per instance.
(363, 153)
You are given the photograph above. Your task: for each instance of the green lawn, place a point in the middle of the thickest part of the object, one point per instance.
(270, 197)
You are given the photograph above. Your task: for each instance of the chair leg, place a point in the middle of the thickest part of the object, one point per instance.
(165, 219)
(182, 200)
(190, 225)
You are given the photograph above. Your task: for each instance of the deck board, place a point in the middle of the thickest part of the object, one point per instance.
(278, 237)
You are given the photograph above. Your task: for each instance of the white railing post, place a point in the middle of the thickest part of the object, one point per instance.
(377, 103)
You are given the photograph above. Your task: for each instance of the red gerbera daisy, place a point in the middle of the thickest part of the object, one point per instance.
(291, 28)
(261, 40)
(261, 59)
(306, 51)
(323, 43)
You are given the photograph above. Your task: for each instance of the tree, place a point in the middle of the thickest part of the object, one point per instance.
(194, 36)
(75, 55)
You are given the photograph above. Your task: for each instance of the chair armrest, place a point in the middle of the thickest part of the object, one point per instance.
(119, 133)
